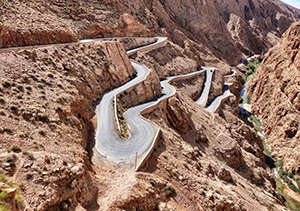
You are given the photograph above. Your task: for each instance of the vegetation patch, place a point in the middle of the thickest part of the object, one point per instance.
(257, 124)
(252, 67)
(248, 99)
(9, 195)
(123, 131)
(282, 189)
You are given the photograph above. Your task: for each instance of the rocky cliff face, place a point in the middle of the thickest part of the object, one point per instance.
(256, 25)
(275, 98)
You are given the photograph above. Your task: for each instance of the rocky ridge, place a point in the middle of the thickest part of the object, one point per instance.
(198, 150)
(236, 28)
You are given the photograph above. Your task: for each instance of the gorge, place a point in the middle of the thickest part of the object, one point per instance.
(60, 59)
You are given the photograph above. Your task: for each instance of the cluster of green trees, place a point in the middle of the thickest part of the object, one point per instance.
(287, 177)
(252, 67)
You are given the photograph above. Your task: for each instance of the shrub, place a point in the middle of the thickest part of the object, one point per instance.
(19, 95)
(15, 148)
(280, 164)
(65, 163)
(249, 72)
(171, 188)
(5, 83)
(248, 99)
(4, 195)
(33, 76)
(13, 108)
(14, 90)
(24, 78)
(10, 159)
(25, 56)
(29, 176)
(47, 159)
(251, 66)
(29, 155)
(7, 130)
(42, 132)
(19, 199)
(293, 187)
(20, 87)
(3, 207)
(290, 175)
(60, 86)
(28, 87)
(2, 113)
(50, 75)
(152, 181)
(39, 85)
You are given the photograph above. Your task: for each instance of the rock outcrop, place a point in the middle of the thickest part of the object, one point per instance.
(178, 116)
(144, 91)
(274, 91)
(256, 25)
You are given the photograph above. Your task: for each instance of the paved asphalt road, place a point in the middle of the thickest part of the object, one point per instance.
(204, 96)
(218, 100)
(108, 142)
(142, 131)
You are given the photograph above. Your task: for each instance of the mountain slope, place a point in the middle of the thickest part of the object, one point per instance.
(236, 27)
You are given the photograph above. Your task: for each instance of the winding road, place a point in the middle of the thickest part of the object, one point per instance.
(204, 96)
(214, 106)
(143, 132)
(217, 102)
(108, 142)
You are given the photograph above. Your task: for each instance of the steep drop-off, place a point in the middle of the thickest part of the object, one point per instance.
(276, 98)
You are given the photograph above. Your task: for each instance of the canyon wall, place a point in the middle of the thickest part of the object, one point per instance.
(235, 28)
(275, 98)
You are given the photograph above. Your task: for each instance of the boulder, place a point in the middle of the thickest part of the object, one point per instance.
(225, 175)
